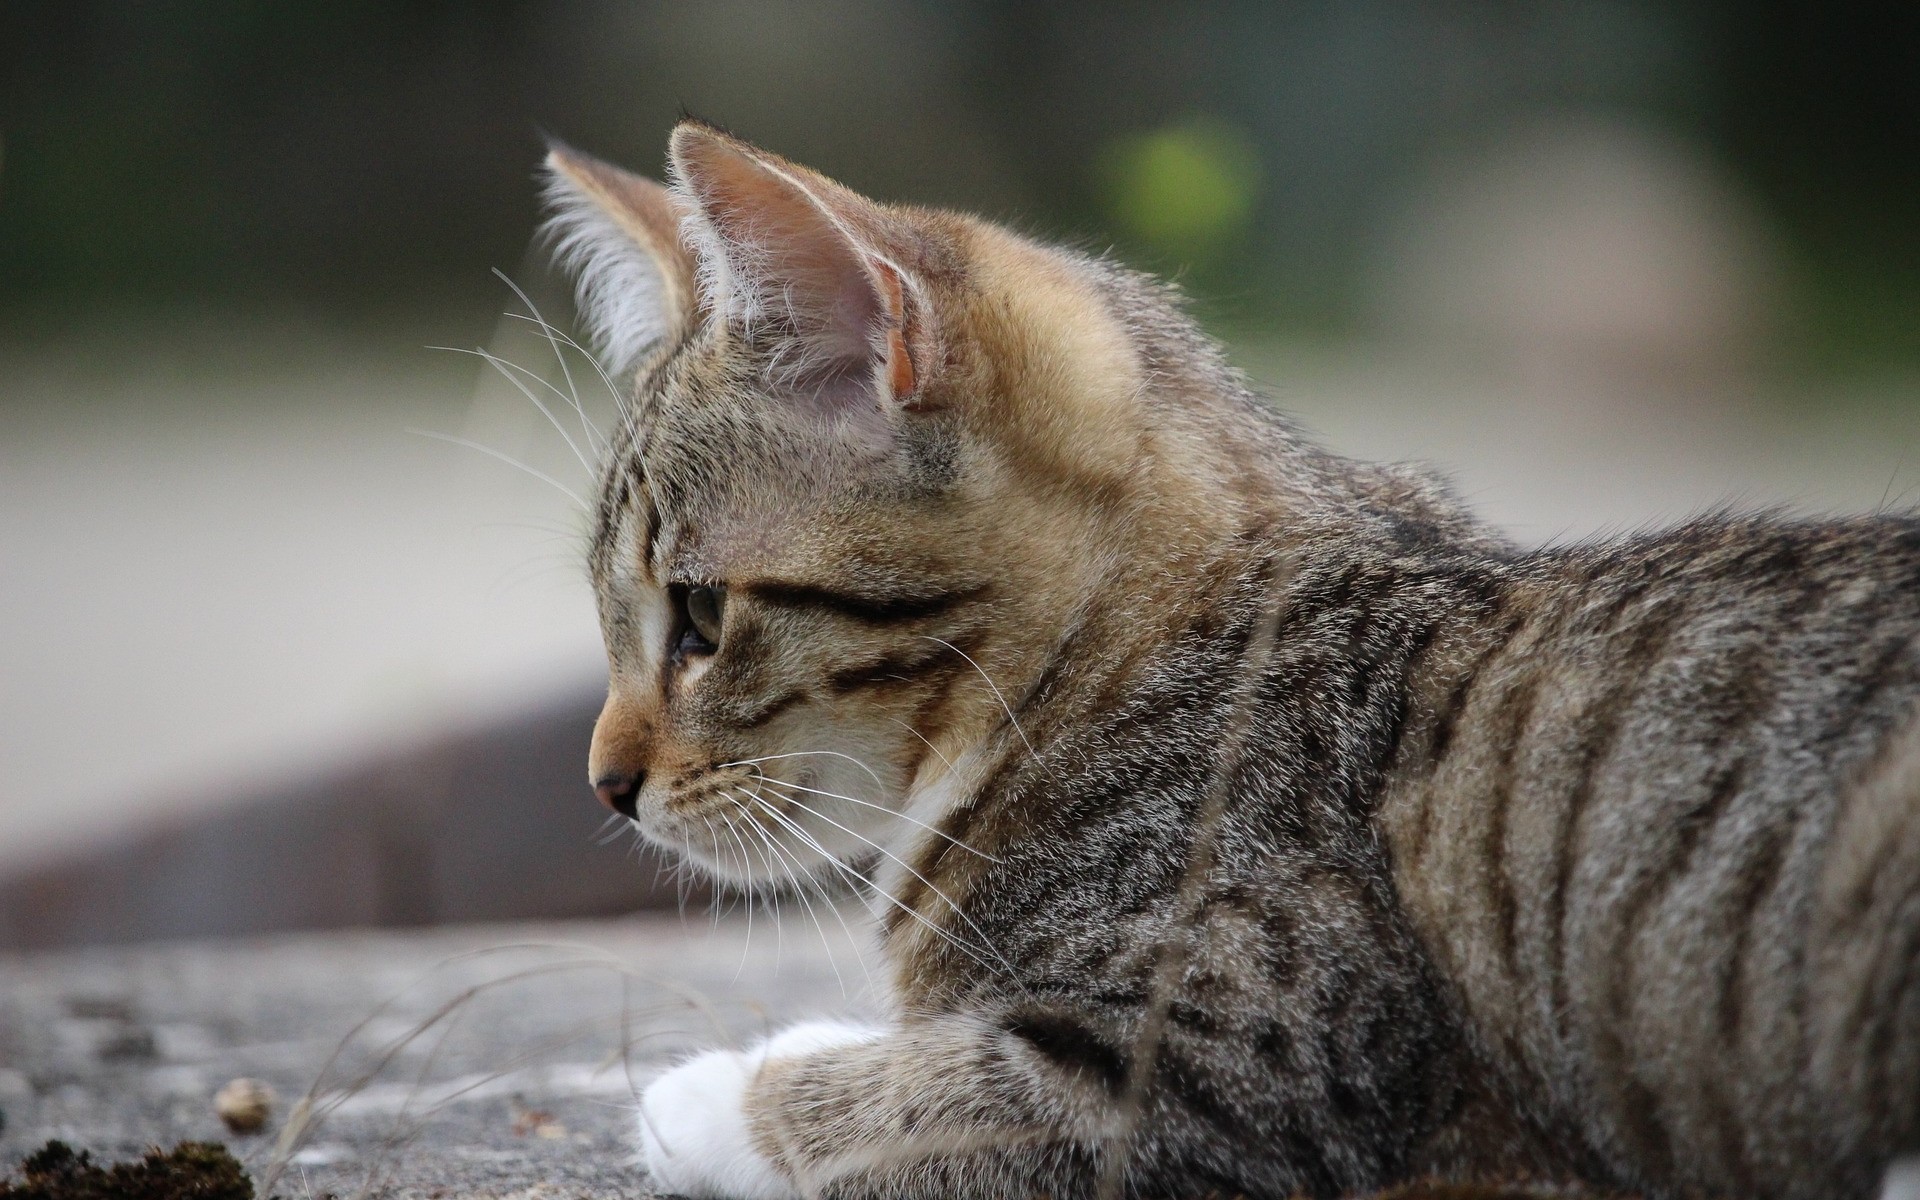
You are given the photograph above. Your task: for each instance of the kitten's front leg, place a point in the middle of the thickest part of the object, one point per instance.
(947, 1107)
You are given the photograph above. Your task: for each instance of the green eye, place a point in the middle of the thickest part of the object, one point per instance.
(706, 607)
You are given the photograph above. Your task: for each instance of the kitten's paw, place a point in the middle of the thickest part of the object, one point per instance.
(693, 1121)
(1902, 1180)
(693, 1132)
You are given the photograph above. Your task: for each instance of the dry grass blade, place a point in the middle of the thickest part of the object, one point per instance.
(326, 1095)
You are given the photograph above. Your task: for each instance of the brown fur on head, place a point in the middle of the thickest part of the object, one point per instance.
(907, 443)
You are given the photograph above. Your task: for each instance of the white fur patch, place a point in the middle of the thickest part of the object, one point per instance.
(618, 290)
(927, 807)
(1902, 1181)
(737, 293)
(809, 1037)
(693, 1122)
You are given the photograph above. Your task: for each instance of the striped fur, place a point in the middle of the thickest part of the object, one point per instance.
(1595, 863)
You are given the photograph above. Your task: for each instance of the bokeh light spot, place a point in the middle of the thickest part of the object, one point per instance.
(1185, 189)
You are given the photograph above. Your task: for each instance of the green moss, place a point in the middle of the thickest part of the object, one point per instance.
(189, 1171)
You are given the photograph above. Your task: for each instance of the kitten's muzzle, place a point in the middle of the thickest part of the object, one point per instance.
(618, 790)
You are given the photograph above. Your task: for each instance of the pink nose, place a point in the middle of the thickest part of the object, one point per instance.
(617, 790)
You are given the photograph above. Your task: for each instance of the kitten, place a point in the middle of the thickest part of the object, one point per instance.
(1239, 818)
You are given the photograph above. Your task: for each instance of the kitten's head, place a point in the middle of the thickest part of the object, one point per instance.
(873, 459)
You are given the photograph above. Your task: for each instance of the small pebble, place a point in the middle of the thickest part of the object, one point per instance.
(536, 1121)
(244, 1104)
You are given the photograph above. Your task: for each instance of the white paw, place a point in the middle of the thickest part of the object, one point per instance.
(693, 1121)
(1902, 1180)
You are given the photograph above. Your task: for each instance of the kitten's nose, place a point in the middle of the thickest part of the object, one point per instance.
(617, 790)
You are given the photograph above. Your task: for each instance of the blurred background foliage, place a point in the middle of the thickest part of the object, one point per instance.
(353, 158)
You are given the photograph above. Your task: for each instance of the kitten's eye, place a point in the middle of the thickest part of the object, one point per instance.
(706, 606)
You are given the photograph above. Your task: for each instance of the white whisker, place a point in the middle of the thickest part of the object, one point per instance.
(747, 889)
(506, 370)
(849, 872)
(586, 427)
(713, 908)
(997, 695)
(618, 398)
(940, 833)
(512, 370)
(859, 957)
(490, 452)
(985, 941)
(767, 758)
(772, 896)
(685, 878)
(610, 831)
(799, 890)
(923, 737)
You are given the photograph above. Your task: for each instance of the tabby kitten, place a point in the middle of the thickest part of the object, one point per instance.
(1239, 818)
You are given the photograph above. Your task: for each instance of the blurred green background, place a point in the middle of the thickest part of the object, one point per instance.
(355, 158)
(1607, 261)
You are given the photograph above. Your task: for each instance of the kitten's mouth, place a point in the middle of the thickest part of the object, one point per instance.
(729, 826)
(758, 821)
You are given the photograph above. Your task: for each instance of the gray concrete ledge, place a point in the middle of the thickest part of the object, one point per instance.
(471, 1062)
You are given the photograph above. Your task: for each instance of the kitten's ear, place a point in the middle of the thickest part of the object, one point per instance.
(619, 236)
(792, 258)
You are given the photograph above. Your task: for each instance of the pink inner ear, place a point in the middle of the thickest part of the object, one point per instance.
(796, 275)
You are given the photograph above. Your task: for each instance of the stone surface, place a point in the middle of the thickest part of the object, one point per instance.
(476, 1061)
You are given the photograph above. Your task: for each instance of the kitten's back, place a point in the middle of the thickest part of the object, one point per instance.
(1665, 838)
